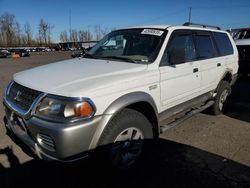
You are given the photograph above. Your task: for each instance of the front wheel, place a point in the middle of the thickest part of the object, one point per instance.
(123, 138)
(223, 92)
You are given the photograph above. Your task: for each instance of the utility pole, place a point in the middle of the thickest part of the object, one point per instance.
(69, 24)
(190, 14)
(88, 34)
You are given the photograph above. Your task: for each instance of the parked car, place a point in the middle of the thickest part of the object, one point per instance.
(4, 53)
(20, 52)
(242, 40)
(40, 49)
(115, 98)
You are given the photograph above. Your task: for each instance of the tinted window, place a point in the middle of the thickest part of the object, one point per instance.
(180, 50)
(242, 34)
(223, 43)
(204, 46)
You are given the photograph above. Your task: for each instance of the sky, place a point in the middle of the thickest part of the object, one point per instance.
(110, 14)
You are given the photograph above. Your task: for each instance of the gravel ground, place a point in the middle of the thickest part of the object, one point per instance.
(204, 151)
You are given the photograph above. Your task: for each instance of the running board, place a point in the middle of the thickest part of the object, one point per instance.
(163, 128)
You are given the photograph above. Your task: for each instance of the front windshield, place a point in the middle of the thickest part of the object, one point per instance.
(131, 45)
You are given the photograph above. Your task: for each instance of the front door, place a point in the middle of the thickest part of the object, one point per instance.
(180, 73)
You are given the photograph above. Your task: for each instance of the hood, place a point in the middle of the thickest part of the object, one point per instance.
(77, 77)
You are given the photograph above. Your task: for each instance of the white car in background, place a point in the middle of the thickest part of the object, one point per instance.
(242, 40)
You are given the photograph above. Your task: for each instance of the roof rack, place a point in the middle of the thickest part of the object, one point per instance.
(201, 25)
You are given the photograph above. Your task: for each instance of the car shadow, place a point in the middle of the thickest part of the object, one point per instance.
(166, 164)
(238, 105)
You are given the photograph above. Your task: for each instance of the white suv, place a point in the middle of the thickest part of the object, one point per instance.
(131, 86)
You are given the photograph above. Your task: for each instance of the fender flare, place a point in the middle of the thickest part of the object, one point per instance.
(116, 107)
(129, 99)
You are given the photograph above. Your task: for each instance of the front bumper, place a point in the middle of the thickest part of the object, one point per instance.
(70, 141)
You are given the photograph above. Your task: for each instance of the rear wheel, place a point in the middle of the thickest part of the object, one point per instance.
(123, 138)
(223, 93)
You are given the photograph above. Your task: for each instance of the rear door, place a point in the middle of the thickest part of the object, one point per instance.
(211, 65)
(180, 73)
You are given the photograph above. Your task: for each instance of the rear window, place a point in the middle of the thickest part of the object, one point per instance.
(223, 43)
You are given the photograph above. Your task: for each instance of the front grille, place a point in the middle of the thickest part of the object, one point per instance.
(21, 96)
(46, 141)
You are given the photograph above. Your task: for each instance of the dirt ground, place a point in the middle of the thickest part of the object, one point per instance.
(204, 151)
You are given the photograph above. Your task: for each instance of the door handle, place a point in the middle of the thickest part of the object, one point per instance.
(218, 64)
(195, 70)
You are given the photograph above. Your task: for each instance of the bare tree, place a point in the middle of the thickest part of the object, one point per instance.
(18, 34)
(27, 34)
(64, 36)
(44, 32)
(84, 35)
(7, 24)
(74, 35)
(49, 34)
(100, 32)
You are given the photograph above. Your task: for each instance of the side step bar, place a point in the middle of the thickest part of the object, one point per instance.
(163, 128)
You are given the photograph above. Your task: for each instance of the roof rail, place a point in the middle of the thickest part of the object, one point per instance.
(201, 25)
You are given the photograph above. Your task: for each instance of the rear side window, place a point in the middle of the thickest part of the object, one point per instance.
(204, 46)
(223, 43)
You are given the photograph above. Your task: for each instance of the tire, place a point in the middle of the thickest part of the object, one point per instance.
(223, 93)
(122, 141)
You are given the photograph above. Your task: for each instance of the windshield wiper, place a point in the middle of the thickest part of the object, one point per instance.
(121, 58)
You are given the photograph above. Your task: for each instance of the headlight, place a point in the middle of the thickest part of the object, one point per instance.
(65, 109)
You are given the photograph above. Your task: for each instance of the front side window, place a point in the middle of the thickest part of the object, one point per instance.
(131, 45)
(180, 49)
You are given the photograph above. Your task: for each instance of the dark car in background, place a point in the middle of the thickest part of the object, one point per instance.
(20, 52)
(4, 53)
(242, 40)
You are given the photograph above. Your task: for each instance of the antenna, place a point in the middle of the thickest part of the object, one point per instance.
(190, 14)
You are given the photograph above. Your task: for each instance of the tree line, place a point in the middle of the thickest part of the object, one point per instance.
(13, 34)
(83, 35)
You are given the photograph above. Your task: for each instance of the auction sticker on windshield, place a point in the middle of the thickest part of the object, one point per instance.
(152, 32)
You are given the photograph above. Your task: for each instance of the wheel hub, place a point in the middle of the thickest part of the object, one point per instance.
(127, 147)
